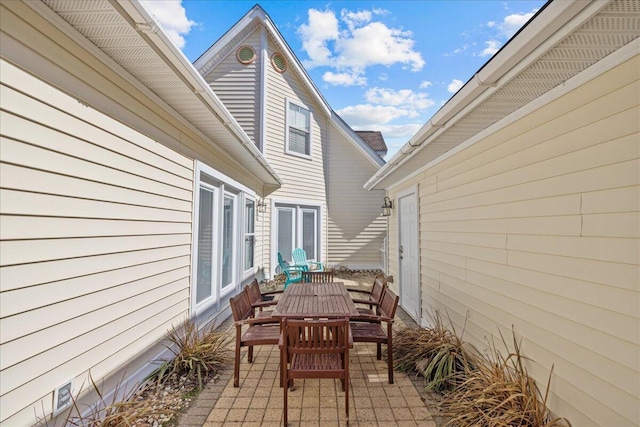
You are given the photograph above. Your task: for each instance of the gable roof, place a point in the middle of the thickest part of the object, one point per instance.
(247, 24)
(563, 39)
(373, 138)
(125, 37)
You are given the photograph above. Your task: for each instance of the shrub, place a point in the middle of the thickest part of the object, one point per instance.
(196, 355)
(499, 393)
(436, 353)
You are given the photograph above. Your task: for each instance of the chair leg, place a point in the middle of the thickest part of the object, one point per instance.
(236, 368)
(286, 392)
(346, 398)
(379, 351)
(390, 359)
(250, 354)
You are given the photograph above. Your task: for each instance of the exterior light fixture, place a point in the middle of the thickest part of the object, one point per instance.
(387, 206)
(262, 206)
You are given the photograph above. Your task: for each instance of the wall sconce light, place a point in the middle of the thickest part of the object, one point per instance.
(387, 206)
(262, 206)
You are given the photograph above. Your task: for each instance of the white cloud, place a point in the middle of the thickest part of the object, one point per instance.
(512, 23)
(401, 98)
(491, 47)
(344, 79)
(365, 116)
(322, 27)
(355, 42)
(172, 17)
(425, 84)
(383, 77)
(455, 85)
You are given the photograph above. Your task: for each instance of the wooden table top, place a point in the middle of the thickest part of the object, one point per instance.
(315, 300)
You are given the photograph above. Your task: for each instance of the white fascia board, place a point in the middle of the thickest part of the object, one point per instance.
(139, 18)
(556, 21)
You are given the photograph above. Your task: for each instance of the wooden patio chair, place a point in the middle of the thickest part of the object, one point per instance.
(372, 297)
(293, 273)
(315, 349)
(299, 258)
(369, 328)
(259, 299)
(317, 276)
(259, 331)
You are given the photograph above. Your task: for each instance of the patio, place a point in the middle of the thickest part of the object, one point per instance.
(259, 399)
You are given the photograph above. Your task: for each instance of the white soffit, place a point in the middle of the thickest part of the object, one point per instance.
(129, 37)
(606, 30)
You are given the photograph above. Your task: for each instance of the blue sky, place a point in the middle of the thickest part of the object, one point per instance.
(381, 65)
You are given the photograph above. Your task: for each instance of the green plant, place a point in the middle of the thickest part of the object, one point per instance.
(498, 393)
(196, 354)
(436, 353)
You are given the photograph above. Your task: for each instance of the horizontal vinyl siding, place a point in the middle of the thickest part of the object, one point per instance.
(238, 87)
(95, 239)
(537, 226)
(302, 179)
(356, 226)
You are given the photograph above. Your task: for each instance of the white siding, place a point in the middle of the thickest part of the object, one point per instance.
(303, 179)
(537, 226)
(95, 242)
(356, 227)
(238, 86)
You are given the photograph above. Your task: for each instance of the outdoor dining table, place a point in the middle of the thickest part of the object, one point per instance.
(315, 300)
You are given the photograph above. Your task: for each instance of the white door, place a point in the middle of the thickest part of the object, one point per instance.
(408, 256)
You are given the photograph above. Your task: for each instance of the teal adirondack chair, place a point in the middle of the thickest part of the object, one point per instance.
(293, 273)
(299, 258)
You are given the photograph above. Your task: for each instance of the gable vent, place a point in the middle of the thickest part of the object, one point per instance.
(246, 54)
(279, 62)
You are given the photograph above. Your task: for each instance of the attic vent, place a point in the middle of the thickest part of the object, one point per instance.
(278, 62)
(246, 54)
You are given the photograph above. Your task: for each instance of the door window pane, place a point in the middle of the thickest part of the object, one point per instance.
(285, 233)
(205, 245)
(309, 228)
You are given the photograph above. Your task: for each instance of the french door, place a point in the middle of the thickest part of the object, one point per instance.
(297, 227)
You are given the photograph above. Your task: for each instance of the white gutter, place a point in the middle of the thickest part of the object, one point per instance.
(138, 17)
(531, 42)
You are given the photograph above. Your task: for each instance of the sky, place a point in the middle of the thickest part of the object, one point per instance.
(381, 65)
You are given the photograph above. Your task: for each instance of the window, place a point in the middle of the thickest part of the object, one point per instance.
(249, 233)
(298, 130)
(206, 237)
(224, 238)
(297, 226)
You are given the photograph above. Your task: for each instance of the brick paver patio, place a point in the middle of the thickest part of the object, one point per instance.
(259, 399)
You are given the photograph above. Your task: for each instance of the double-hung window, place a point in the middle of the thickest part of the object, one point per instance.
(298, 129)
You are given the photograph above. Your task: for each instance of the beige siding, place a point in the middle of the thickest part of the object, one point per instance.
(238, 87)
(537, 226)
(356, 227)
(303, 179)
(95, 242)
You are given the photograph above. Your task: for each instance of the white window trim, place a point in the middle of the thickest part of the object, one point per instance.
(286, 135)
(228, 186)
(251, 270)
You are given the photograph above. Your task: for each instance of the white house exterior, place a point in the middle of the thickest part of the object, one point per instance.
(517, 206)
(321, 205)
(107, 136)
(130, 192)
